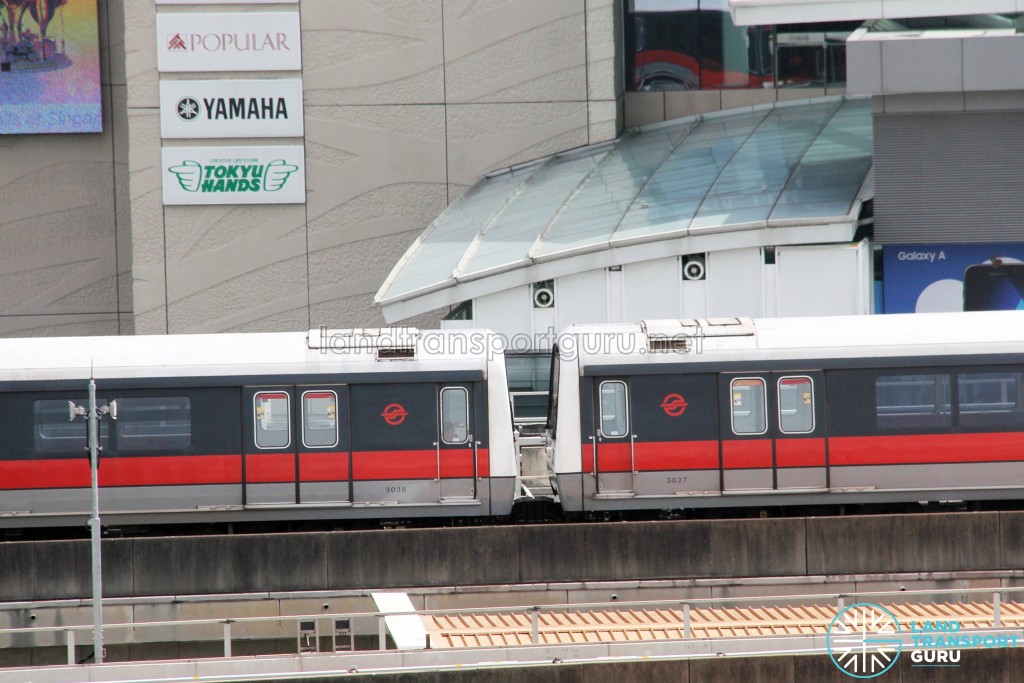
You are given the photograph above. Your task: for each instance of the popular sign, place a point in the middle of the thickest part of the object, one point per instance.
(231, 109)
(234, 175)
(249, 41)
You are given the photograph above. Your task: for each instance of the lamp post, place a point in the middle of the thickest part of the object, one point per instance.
(93, 412)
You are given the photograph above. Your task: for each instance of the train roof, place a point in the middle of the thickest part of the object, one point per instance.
(745, 339)
(318, 351)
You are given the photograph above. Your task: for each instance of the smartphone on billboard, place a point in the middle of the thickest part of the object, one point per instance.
(994, 287)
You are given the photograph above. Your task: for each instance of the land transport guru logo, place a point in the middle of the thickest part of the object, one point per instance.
(865, 640)
(233, 175)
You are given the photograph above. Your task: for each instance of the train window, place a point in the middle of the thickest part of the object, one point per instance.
(614, 414)
(796, 405)
(454, 415)
(912, 401)
(989, 398)
(319, 419)
(56, 433)
(273, 426)
(749, 410)
(154, 423)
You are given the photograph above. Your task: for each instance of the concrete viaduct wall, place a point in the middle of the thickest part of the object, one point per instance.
(517, 554)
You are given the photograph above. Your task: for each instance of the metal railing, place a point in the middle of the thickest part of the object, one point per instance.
(310, 629)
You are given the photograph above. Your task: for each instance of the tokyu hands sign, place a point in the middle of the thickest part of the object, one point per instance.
(234, 175)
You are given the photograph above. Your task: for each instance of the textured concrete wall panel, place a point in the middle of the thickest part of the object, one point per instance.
(376, 178)
(149, 292)
(372, 53)
(521, 51)
(604, 35)
(486, 137)
(140, 53)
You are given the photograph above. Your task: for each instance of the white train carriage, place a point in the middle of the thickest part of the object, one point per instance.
(331, 424)
(737, 412)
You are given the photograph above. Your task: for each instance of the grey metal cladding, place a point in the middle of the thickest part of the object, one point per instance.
(949, 177)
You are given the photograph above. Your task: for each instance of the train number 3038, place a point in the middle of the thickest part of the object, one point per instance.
(394, 489)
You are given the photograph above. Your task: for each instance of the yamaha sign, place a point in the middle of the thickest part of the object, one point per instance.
(249, 41)
(231, 109)
(234, 175)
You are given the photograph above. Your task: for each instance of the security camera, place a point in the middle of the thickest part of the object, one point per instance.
(32, 617)
(326, 606)
(614, 597)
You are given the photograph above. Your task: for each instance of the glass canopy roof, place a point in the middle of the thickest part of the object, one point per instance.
(788, 164)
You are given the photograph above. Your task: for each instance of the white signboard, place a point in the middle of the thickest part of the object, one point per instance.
(244, 41)
(231, 109)
(234, 175)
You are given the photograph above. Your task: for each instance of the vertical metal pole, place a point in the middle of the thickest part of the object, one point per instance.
(382, 633)
(227, 638)
(687, 624)
(535, 626)
(94, 523)
(996, 610)
(72, 660)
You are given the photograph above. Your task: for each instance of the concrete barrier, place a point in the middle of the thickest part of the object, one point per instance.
(896, 543)
(517, 554)
(229, 564)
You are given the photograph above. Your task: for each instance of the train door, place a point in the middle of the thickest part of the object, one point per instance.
(614, 456)
(323, 444)
(772, 431)
(269, 445)
(800, 430)
(456, 445)
(412, 443)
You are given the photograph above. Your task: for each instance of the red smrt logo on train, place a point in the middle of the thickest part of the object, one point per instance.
(674, 405)
(394, 414)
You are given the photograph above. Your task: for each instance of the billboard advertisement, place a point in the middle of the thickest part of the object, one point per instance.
(926, 278)
(246, 41)
(49, 67)
(231, 109)
(234, 175)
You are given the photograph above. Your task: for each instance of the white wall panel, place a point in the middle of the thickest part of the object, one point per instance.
(735, 284)
(653, 290)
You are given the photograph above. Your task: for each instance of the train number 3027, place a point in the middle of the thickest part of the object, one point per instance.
(675, 480)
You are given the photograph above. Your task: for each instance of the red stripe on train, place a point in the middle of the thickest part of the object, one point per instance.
(147, 471)
(747, 454)
(383, 465)
(652, 456)
(925, 448)
(323, 466)
(808, 452)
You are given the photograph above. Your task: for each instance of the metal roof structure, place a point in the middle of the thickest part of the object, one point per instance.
(723, 180)
(750, 12)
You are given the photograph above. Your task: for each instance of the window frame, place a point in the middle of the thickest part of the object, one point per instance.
(625, 404)
(125, 441)
(256, 419)
(764, 405)
(814, 417)
(442, 414)
(302, 406)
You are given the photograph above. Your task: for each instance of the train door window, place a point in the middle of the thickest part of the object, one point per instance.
(454, 415)
(912, 401)
(273, 425)
(614, 413)
(989, 398)
(319, 419)
(56, 433)
(154, 423)
(749, 409)
(796, 405)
